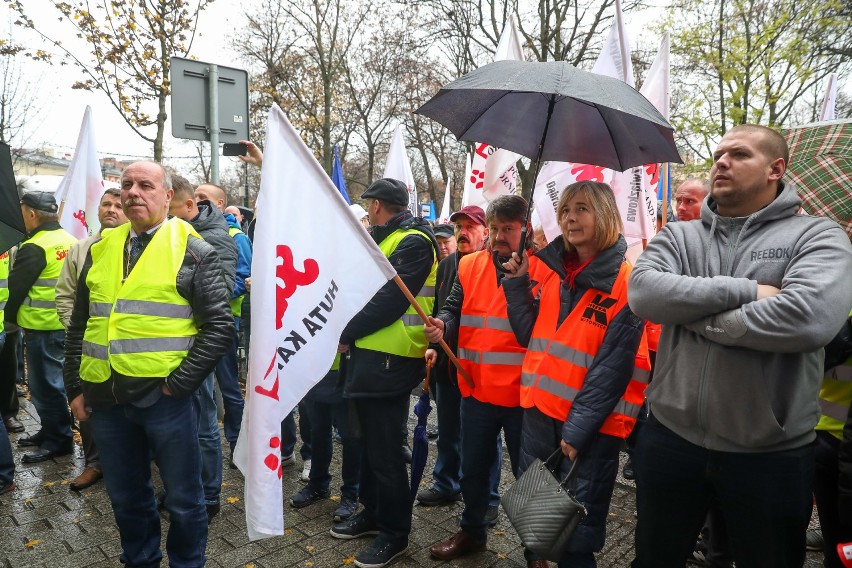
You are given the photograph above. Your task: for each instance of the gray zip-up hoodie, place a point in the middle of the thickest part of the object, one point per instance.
(735, 373)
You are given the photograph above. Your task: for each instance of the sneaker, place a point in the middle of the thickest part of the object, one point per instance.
(7, 487)
(491, 514)
(346, 509)
(432, 497)
(287, 461)
(627, 471)
(308, 496)
(306, 471)
(814, 541)
(356, 526)
(380, 553)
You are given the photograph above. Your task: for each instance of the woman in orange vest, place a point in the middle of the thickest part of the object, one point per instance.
(586, 366)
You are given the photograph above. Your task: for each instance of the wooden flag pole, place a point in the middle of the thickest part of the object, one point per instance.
(425, 319)
(666, 191)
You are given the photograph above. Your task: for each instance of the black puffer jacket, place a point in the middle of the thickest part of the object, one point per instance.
(369, 373)
(605, 383)
(448, 269)
(201, 282)
(213, 228)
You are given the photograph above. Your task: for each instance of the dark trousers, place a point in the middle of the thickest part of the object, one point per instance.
(321, 415)
(9, 403)
(45, 356)
(765, 499)
(229, 386)
(290, 436)
(825, 491)
(384, 490)
(481, 424)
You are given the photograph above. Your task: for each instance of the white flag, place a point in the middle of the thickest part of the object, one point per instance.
(83, 185)
(444, 217)
(495, 169)
(829, 100)
(304, 292)
(466, 182)
(614, 59)
(398, 167)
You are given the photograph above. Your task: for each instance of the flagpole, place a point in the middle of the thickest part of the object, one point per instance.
(425, 318)
(666, 182)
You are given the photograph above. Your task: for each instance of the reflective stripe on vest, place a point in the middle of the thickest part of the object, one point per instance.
(4, 286)
(835, 397)
(487, 348)
(38, 309)
(404, 337)
(141, 327)
(236, 303)
(560, 355)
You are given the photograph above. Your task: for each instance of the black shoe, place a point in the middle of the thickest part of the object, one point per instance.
(212, 511)
(432, 498)
(13, 425)
(7, 486)
(356, 526)
(406, 452)
(308, 496)
(431, 432)
(41, 455)
(345, 511)
(814, 541)
(34, 440)
(491, 515)
(627, 471)
(231, 463)
(380, 553)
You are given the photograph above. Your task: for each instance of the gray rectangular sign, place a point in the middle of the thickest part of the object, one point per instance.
(191, 98)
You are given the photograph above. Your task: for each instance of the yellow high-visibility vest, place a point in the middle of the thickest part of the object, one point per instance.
(142, 326)
(38, 310)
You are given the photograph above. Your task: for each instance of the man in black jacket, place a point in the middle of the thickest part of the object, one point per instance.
(150, 319)
(384, 362)
(213, 228)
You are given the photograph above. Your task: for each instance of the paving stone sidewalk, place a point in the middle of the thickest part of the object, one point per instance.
(43, 524)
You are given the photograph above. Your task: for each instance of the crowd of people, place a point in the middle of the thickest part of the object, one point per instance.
(721, 360)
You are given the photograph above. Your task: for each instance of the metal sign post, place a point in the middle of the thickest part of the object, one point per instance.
(209, 103)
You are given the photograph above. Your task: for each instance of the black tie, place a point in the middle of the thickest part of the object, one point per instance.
(137, 245)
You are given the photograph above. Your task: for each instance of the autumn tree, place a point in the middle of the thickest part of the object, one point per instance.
(19, 106)
(129, 42)
(750, 61)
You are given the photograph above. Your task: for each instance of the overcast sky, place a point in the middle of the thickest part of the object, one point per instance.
(63, 107)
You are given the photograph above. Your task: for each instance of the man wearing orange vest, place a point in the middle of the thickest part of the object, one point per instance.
(492, 358)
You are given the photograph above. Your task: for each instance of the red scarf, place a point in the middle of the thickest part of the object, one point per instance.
(572, 266)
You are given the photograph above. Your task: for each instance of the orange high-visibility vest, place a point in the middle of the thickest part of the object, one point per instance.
(557, 360)
(487, 347)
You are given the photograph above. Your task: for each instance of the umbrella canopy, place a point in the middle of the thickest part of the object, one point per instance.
(554, 111)
(821, 168)
(12, 230)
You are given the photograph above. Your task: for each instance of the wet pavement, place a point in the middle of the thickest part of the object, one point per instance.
(43, 524)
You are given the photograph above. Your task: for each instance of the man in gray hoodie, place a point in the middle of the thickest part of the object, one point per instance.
(747, 297)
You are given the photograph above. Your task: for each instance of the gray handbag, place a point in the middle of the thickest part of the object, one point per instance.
(542, 508)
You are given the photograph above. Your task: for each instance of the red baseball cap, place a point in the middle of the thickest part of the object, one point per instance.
(474, 212)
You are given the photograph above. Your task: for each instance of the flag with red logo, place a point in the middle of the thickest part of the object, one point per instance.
(494, 171)
(314, 267)
(83, 185)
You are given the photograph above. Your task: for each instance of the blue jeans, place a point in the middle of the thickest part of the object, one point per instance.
(127, 437)
(7, 461)
(210, 442)
(229, 385)
(45, 356)
(447, 471)
(765, 499)
(481, 423)
(321, 416)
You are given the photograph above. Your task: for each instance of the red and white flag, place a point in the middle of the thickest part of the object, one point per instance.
(83, 185)
(494, 172)
(305, 289)
(444, 217)
(398, 167)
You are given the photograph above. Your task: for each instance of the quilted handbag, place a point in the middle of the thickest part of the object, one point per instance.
(542, 508)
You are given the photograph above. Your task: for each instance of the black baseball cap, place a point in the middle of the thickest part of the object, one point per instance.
(444, 231)
(40, 201)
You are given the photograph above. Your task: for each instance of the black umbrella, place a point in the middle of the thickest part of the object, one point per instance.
(12, 230)
(554, 111)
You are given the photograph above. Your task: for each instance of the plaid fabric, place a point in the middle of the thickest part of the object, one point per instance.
(821, 169)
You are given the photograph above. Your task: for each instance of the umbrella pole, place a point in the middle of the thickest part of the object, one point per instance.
(523, 243)
(425, 319)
